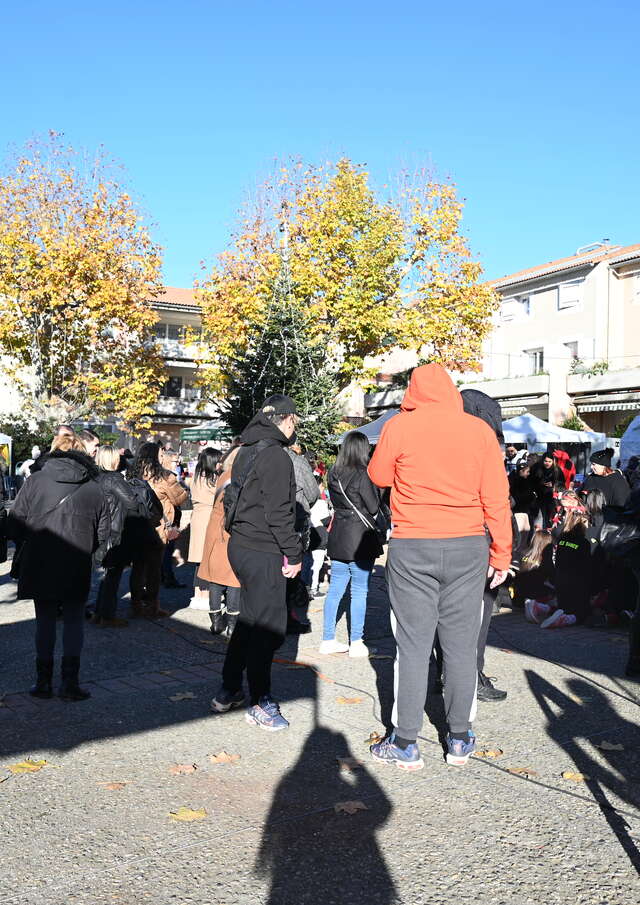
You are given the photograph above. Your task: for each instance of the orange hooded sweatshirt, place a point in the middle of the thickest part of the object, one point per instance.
(445, 468)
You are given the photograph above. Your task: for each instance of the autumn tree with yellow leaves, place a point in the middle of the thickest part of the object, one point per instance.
(77, 272)
(368, 273)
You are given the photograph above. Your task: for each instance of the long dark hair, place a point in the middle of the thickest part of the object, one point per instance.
(354, 452)
(206, 465)
(147, 463)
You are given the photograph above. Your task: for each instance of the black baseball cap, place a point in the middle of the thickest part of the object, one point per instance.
(279, 405)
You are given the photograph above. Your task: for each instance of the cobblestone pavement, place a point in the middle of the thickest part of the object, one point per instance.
(270, 832)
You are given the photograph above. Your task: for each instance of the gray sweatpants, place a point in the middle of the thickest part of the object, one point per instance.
(436, 583)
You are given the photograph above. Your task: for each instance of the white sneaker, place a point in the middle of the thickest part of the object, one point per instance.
(333, 647)
(358, 649)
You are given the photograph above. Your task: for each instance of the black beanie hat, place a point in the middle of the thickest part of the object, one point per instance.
(602, 457)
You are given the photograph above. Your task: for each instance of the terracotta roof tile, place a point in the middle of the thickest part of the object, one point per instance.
(174, 297)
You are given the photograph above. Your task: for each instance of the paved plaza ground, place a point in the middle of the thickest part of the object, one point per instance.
(270, 831)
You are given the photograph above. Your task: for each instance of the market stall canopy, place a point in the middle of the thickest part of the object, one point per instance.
(373, 429)
(536, 432)
(630, 442)
(211, 430)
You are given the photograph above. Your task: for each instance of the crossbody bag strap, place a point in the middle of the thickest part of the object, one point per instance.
(363, 519)
(45, 515)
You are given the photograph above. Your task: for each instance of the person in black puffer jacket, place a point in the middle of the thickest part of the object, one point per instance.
(353, 545)
(60, 518)
(123, 506)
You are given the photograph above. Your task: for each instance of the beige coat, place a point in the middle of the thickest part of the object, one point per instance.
(214, 565)
(172, 495)
(202, 497)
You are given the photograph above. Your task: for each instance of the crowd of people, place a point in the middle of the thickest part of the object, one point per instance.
(269, 524)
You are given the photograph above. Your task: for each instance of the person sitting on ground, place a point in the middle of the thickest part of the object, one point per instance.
(353, 542)
(215, 572)
(122, 505)
(573, 573)
(534, 585)
(610, 481)
(59, 519)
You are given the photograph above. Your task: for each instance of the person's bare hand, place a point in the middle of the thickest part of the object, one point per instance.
(290, 571)
(497, 576)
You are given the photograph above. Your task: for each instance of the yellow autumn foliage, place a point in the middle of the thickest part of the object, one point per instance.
(78, 269)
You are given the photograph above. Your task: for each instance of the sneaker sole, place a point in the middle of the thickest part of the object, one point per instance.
(225, 708)
(252, 722)
(458, 761)
(408, 768)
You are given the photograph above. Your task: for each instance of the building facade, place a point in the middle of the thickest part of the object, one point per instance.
(566, 339)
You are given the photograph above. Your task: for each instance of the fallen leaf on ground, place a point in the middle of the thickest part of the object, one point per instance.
(381, 657)
(522, 771)
(490, 752)
(187, 814)
(342, 700)
(112, 786)
(182, 696)
(224, 758)
(349, 764)
(575, 777)
(27, 766)
(505, 650)
(609, 746)
(349, 807)
(180, 769)
(582, 700)
(373, 739)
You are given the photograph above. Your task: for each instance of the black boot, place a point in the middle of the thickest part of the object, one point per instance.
(486, 690)
(232, 618)
(70, 689)
(218, 622)
(44, 672)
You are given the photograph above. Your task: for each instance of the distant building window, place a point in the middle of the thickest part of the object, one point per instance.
(570, 294)
(535, 359)
(515, 307)
(173, 388)
(573, 348)
(160, 331)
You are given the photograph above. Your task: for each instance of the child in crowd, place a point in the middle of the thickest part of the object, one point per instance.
(535, 582)
(573, 572)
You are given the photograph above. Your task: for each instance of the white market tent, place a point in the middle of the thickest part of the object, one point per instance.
(373, 429)
(537, 433)
(630, 442)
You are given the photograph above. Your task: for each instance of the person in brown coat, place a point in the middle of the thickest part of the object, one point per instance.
(171, 495)
(215, 571)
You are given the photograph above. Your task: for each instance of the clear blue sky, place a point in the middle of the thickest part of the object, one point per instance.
(532, 108)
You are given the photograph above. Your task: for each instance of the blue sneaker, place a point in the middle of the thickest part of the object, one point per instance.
(459, 752)
(227, 700)
(387, 752)
(266, 714)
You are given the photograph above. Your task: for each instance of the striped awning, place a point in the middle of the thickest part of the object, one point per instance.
(609, 407)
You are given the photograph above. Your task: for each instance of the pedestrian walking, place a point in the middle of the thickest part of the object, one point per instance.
(215, 572)
(439, 556)
(264, 550)
(122, 505)
(353, 542)
(203, 491)
(60, 518)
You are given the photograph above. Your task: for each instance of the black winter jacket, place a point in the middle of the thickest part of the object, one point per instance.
(614, 486)
(59, 519)
(122, 505)
(349, 539)
(266, 512)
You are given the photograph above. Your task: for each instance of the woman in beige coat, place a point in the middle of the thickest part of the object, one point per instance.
(215, 572)
(203, 489)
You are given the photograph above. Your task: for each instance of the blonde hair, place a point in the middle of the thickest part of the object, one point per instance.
(64, 443)
(532, 558)
(107, 458)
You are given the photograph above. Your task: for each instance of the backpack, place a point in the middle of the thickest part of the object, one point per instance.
(233, 489)
(149, 506)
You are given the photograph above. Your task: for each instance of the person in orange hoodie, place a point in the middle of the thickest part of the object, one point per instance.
(451, 528)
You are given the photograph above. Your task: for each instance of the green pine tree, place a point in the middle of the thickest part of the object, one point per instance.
(282, 358)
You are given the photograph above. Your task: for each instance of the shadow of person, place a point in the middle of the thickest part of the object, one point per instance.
(570, 723)
(312, 854)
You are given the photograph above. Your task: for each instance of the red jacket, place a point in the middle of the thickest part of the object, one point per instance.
(566, 466)
(445, 468)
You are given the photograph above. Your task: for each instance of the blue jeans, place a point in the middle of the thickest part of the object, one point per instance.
(358, 573)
